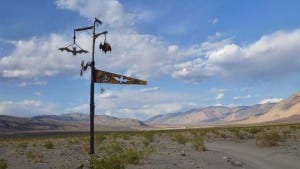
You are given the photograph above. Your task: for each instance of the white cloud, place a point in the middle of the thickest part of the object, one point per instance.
(26, 108)
(242, 97)
(110, 12)
(270, 100)
(152, 89)
(272, 55)
(140, 104)
(37, 57)
(219, 96)
(32, 83)
(136, 54)
(214, 21)
(220, 93)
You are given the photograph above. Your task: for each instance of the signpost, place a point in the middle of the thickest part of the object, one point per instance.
(97, 76)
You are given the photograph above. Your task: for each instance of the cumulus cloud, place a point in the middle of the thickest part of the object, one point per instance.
(110, 12)
(272, 55)
(145, 56)
(26, 108)
(136, 54)
(37, 57)
(270, 100)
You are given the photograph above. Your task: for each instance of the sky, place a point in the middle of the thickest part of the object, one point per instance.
(193, 54)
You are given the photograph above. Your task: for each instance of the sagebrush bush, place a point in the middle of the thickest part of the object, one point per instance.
(198, 144)
(49, 145)
(148, 136)
(107, 162)
(3, 164)
(255, 130)
(179, 138)
(131, 156)
(268, 139)
(22, 145)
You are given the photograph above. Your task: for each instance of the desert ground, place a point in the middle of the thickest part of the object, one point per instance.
(256, 147)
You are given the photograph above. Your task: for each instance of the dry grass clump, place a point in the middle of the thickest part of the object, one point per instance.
(149, 136)
(3, 164)
(255, 130)
(268, 139)
(49, 145)
(22, 145)
(34, 156)
(198, 144)
(237, 132)
(180, 138)
(116, 156)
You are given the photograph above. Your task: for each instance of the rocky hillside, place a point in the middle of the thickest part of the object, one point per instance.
(66, 122)
(212, 114)
(286, 110)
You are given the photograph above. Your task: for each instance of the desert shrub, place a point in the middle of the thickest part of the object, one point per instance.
(223, 135)
(125, 136)
(131, 156)
(107, 162)
(215, 132)
(198, 144)
(179, 138)
(255, 130)
(72, 141)
(146, 143)
(30, 154)
(148, 136)
(114, 148)
(49, 145)
(286, 134)
(268, 139)
(100, 138)
(237, 132)
(36, 157)
(3, 164)
(22, 145)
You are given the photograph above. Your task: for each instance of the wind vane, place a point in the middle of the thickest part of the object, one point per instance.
(97, 76)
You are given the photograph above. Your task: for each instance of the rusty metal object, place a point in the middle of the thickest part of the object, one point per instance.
(113, 78)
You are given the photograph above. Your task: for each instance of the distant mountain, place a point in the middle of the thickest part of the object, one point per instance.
(285, 110)
(212, 114)
(66, 122)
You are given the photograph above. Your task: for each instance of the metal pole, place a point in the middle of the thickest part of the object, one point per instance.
(92, 102)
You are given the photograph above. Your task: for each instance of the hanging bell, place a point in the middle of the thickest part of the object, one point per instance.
(105, 47)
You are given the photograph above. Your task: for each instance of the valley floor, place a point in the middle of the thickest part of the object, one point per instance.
(267, 147)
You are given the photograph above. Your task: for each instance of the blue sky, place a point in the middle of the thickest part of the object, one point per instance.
(192, 53)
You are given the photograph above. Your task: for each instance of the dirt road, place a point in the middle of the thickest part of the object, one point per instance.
(286, 156)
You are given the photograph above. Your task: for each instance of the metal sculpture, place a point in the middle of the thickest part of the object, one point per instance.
(97, 76)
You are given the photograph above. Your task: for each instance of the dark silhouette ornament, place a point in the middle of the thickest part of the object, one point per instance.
(105, 46)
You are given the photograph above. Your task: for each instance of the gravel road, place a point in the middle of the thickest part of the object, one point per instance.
(253, 157)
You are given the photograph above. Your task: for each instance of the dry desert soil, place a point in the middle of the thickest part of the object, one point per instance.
(257, 147)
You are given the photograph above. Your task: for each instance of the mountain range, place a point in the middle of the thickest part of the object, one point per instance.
(66, 122)
(283, 111)
(287, 110)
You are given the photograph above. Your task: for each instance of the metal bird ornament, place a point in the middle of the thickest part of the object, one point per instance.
(105, 47)
(74, 45)
(74, 50)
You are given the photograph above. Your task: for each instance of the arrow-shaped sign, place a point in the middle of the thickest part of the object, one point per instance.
(112, 78)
